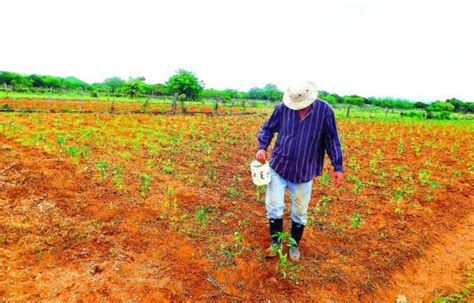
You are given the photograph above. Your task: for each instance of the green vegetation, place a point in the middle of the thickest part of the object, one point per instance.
(282, 265)
(464, 295)
(189, 87)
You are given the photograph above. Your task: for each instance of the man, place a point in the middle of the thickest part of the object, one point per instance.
(306, 128)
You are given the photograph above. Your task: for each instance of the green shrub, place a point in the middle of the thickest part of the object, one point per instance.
(5, 106)
(412, 113)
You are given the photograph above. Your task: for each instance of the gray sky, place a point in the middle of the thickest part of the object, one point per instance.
(418, 49)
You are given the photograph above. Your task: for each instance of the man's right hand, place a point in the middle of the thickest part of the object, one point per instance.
(261, 156)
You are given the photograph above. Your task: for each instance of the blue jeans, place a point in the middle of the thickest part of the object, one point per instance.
(300, 194)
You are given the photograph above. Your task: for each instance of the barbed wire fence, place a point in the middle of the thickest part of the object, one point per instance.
(79, 100)
(51, 100)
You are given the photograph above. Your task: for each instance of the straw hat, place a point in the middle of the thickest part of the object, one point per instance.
(300, 95)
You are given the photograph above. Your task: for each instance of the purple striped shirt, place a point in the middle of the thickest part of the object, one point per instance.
(298, 154)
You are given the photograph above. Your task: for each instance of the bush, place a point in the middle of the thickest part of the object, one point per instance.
(412, 113)
(443, 115)
(5, 106)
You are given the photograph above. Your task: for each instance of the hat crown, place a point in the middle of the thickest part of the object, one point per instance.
(300, 91)
(300, 94)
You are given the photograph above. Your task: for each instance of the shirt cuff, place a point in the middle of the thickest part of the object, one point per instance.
(260, 147)
(338, 168)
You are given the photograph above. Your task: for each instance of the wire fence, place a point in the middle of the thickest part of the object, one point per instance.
(61, 100)
(81, 101)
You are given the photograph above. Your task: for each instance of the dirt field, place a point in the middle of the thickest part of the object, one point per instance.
(139, 207)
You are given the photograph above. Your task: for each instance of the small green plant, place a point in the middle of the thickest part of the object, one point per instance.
(170, 201)
(103, 168)
(144, 184)
(466, 294)
(373, 163)
(60, 139)
(211, 173)
(232, 250)
(118, 177)
(201, 216)
(85, 152)
(356, 220)
(282, 265)
(6, 107)
(325, 178)
(325, 200)
(167, 168)
(424, 176)
(233, 192)
(353, 163)
(260, 193)
(72, 151)
(400, 147)
(357, 187)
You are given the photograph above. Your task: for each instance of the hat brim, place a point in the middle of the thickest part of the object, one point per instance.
(301, 104)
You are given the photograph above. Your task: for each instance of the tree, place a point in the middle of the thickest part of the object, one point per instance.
(114, 84)
(458, 104)
(185, 82)
(439, 110)
(135, 86)
(331, 98)
(438, 106)
(268, 92)
(420, 105)
(354, 100)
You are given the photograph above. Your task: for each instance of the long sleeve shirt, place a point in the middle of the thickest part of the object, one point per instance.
(298, 154)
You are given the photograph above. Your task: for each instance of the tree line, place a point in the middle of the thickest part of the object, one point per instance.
(189, 87)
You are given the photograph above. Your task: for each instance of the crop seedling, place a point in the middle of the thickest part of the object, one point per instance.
(356, 220)
(233, 192)
(211, 173)
(144, 184)
(259, 193)
(400, 147)
(85, 152)
(170, 200)
(353, 163)
(324, 179)
(167, 168)
(357, 187)
(103, 168)
(282, 265)
(424, 176)
(60, 140)
(118, 177)
(202, 216)
(325, 200)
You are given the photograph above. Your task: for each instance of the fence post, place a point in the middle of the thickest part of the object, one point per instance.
(49, 97)
(145, 106)
(112, 105)
(174, 103)
(348, 110)
(81, 102)
(6, 89)
(216, 106)
(386, 112)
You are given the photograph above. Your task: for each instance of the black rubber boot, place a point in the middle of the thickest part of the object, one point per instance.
(296, 231)
(276, 226)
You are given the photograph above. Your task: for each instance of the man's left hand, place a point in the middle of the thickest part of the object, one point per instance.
(337, 178)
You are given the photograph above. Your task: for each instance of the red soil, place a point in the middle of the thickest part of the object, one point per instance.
(65, 236)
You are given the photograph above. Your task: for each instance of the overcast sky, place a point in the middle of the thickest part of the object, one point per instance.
(414, 49)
